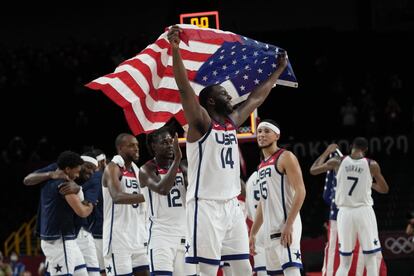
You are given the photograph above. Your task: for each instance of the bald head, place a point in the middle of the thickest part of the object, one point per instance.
(121, 139)
(127, 146)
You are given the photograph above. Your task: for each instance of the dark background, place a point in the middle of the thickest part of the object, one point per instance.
(339, 50)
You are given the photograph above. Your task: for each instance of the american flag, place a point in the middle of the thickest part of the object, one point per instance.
(144, 86)
(329, 192)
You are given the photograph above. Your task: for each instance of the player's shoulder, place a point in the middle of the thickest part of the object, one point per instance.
(286, 154)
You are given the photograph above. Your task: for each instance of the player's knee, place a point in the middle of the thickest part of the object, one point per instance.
(345, 261)
(344, 265)
(241, 267)
(207, 269)
(291, 271)
(371, 264)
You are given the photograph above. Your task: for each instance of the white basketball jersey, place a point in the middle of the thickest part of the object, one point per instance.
(166, 213)
(214, 164)
(277, 194)
(124, 228)
(354, 182)
(252, 200)
(252, 195)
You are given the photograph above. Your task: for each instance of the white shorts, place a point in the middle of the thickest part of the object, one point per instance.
(359, 222)
(167, 255)
(125, 263)
(63, 257)
(260, 257)
(217, 232)
(99, 254)
(87, 246)
(279, 257)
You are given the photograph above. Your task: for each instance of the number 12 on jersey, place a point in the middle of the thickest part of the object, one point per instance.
(226, 156)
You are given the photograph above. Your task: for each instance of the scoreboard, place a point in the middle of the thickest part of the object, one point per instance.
(208, 19)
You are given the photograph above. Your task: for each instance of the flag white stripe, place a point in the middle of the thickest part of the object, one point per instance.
(189, 64)
(146, 125)
(169, 83)
(129, 95)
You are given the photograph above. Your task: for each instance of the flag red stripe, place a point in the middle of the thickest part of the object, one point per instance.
(169, 72)
(166, 95)
(180, 117)
(185, 54)
(155, 55)
(145, 71)
(211, 37)
(160, 116)
(133, 122)
(161, 94)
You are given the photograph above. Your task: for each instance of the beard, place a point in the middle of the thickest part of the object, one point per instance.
(266, 146)
(224, 108)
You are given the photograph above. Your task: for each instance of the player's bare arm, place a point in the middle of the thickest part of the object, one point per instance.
(110, 179)
(82, 209)
(257, 223)
(196, 116)
(321, 165)
(69, 187)
(379, 185)
(148, 173)
(242, 187)
(37, 178)
(289, 164)
(259, 94)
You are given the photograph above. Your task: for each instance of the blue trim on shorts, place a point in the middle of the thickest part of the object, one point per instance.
(273, 272)
(110, 232)
(113, 263)
(151, 261)
(97, 269)
(65, 255)
(292, 264)
(289, 254)
(282, 185)
(345, 253)
(150, 199)
(149, 234)
(372, 251)
(140, 268)
(259, 268)
(235, 257)
(128, 274)
(80, 267)
(102, 271)
(161, 272)
(196, 260)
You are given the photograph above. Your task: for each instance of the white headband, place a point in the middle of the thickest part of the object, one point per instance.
(270, 126)
(90, 160)
(100, 157)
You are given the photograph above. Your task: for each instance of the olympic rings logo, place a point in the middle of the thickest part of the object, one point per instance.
(399, 245)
